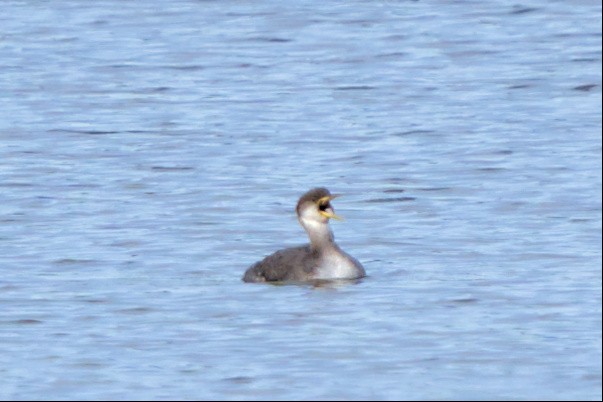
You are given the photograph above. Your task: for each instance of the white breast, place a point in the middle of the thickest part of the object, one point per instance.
(338, 266)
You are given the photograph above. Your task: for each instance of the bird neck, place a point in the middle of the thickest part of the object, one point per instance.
(320, 234)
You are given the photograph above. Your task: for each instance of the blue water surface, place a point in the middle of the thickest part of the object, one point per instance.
(151, 151)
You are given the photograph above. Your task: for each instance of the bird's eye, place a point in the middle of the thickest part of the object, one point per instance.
(323, 206)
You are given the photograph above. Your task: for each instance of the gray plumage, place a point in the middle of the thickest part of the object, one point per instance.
(319, 260)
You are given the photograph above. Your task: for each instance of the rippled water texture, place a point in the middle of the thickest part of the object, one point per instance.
(151, 151)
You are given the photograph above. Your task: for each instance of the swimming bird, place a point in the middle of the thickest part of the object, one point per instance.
(322, 259)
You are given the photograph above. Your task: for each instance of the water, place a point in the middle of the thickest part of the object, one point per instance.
(151, 151)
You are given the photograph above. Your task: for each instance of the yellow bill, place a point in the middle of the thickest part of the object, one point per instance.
(328, 211)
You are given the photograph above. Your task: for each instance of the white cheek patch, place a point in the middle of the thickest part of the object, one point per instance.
(311, 224)
(310, 214)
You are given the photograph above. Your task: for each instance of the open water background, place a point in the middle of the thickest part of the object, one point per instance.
(151, 151)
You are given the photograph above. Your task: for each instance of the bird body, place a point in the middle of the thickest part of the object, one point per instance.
(322, 259)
